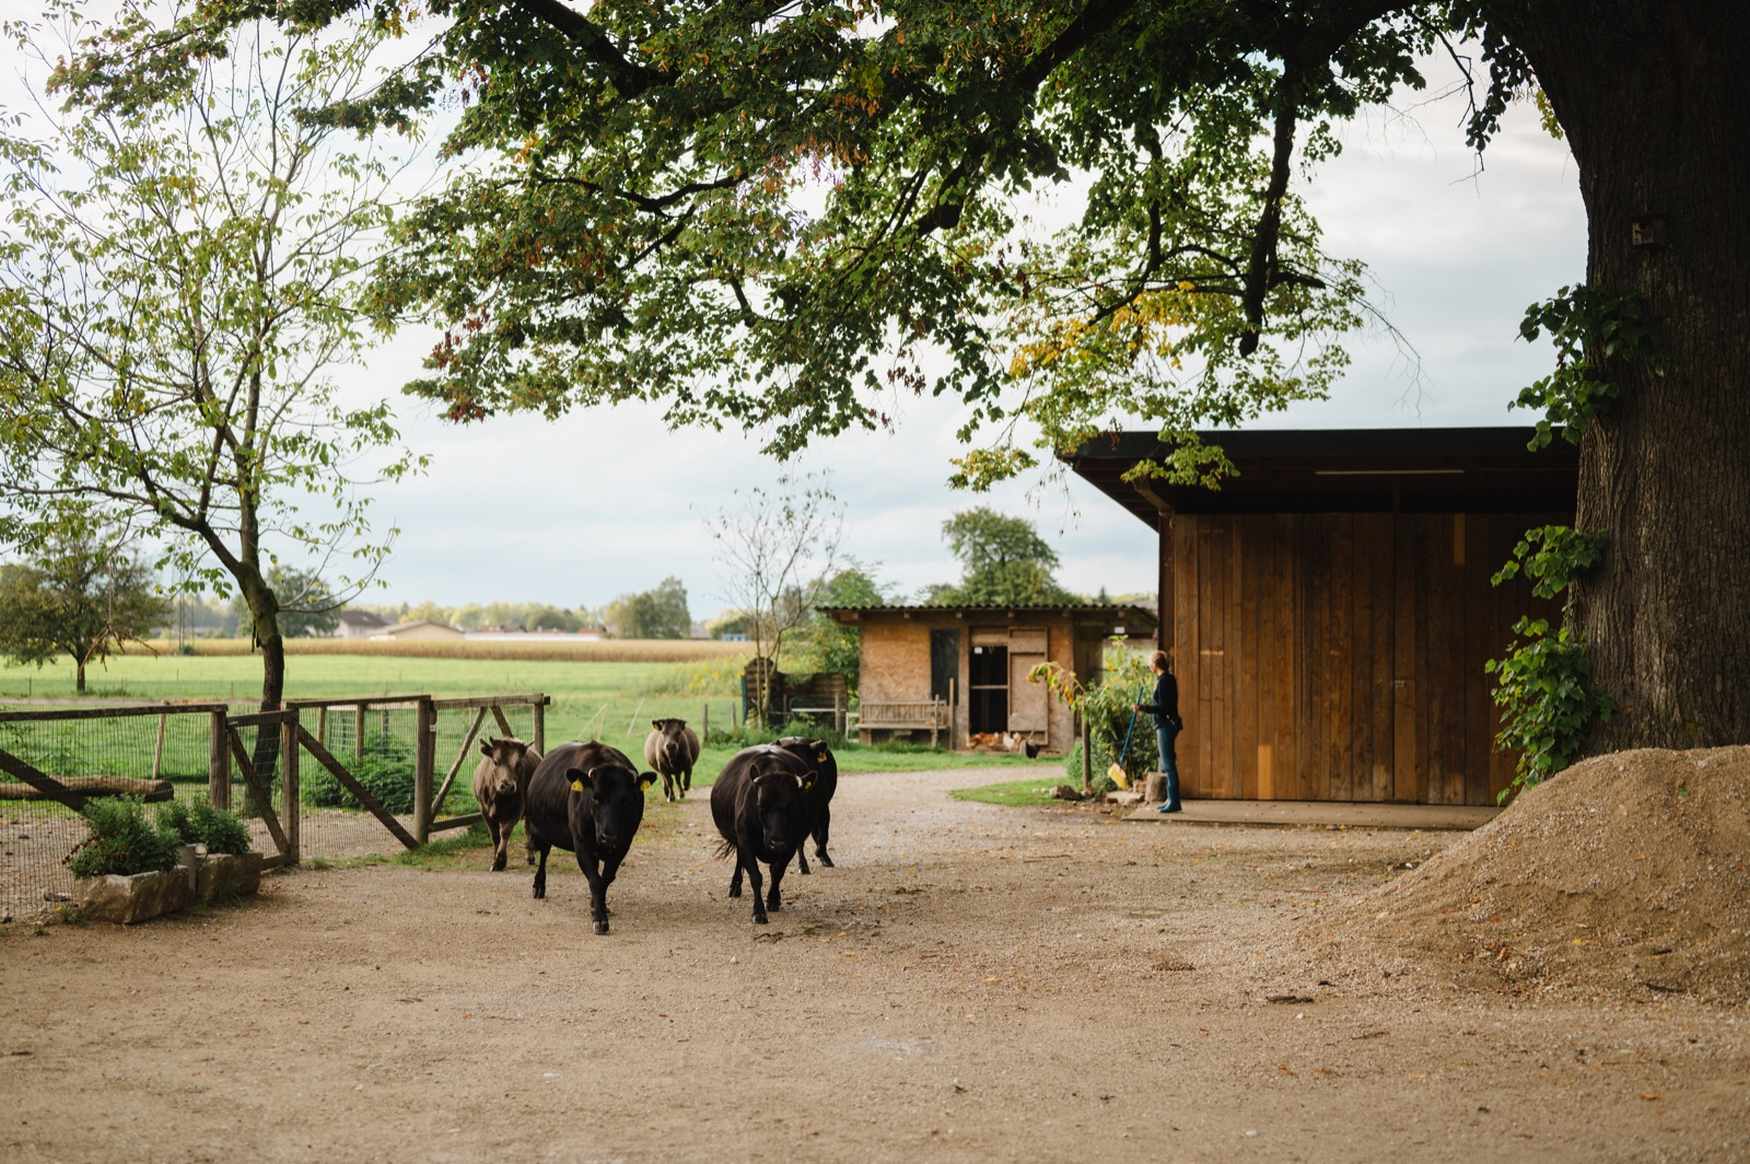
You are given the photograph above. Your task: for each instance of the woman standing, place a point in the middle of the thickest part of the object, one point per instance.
(1167, 723)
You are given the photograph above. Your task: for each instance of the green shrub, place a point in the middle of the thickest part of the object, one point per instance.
(123, 841)
(199, 823)
(1109, 708)
(386, 771)
(218, 830)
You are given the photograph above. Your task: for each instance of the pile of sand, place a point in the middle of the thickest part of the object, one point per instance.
(1626, 876)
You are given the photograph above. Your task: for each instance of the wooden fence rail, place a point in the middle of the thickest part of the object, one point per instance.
(228, 753)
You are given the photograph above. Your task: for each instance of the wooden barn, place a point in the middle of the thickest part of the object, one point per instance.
(961, 671)
(1329, 611)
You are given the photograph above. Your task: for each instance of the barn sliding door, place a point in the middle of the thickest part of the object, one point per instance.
(1340, 656)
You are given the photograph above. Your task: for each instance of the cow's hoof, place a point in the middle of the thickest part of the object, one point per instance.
(601, 927)
(775, 906)
(804, 870)
(540, 895)
(759, 919)
(735, 891)
(823, 858)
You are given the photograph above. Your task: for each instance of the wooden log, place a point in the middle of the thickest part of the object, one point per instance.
(89, 786)
(363, 795)
(456, 822)
(258, 789)
(503, 723)
(539, 738)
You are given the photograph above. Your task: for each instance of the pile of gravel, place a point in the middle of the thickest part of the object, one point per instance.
(1626, 876)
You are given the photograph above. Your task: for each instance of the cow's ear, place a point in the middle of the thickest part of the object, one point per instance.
(580, 780)
(808, 781)
(646, 779)
(486, 747)
(657, 724)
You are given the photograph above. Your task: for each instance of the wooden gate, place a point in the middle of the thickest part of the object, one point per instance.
(429, 803)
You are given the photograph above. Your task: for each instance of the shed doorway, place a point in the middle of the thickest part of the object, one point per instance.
(988, 703)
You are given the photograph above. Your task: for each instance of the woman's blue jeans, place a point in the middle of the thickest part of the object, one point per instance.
(1165, 734)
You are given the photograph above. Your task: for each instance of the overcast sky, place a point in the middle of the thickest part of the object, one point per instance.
(606, 500)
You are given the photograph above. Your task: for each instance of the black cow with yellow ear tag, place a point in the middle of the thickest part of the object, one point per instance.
(815, 754)
(587, 799)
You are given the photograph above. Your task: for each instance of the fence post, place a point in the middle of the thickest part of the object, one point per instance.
(158, 750)
(358, 731)
(838, 712)
(705, 723)
(1087, 757)
(424, 753)
(289, 782)
(540, 740)
(218, 762)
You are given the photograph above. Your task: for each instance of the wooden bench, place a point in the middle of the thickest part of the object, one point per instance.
(929, 715)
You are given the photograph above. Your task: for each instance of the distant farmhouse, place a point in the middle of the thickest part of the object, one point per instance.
(423, 630)
(359, 624)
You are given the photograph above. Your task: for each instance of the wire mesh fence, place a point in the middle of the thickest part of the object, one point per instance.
(238, 757)
(158, 753)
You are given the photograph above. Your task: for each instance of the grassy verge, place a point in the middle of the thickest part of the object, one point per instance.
(1028, 793)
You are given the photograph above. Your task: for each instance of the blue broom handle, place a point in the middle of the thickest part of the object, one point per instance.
(1125, 750)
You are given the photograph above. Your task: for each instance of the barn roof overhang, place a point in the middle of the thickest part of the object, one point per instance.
(1366, 470)
(1122, 617)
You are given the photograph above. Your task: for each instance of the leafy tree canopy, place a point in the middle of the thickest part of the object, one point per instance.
(776, 215)
(659, 613)
(81, 594)
(823, 643)
(1002, 559)
(308, 607)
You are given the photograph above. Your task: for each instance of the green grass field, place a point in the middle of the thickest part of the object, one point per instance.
(610, 701)
(1029, 793)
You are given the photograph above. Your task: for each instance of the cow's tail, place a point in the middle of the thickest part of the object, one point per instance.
(724, 848)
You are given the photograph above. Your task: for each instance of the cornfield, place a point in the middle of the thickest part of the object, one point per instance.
(564, 650)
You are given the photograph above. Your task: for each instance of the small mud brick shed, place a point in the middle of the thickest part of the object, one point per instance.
(1329, 610)
(961, 670)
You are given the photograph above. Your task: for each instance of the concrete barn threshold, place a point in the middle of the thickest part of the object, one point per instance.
(1320, 814)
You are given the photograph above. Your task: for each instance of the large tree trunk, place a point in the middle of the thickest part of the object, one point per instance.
(264, 612)
(79, 670)
(1655, 100)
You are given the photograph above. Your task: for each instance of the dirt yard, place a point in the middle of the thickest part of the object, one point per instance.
(971, 983)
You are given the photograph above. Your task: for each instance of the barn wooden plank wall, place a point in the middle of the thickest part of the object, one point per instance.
(1340, 656)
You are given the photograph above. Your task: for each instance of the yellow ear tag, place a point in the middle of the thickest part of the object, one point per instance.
(820, 757)
(577, 786)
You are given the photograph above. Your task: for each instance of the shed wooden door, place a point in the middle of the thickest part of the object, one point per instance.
(1340, 656)
(1028, 711)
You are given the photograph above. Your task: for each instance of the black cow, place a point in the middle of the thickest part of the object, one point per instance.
(587, 799)
(760, 806)
(815, 754)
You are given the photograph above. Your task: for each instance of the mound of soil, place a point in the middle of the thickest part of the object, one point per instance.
(1626, 876)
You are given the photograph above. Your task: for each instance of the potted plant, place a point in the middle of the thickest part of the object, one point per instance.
(127, 867)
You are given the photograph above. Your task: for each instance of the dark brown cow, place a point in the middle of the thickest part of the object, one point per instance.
(501, 785)
(672, 748)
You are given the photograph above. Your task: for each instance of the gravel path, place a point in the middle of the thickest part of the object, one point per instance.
(971, 983)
